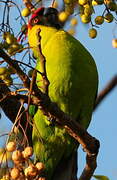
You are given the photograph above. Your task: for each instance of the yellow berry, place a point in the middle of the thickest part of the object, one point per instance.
(107, 1)
(88, 10)
(8, 81)
(6, 177)
(41, 178)
(67, 1)
(40, 166)
(15, 173)
(92, 33)
(114, 43)
(85, 19)
(97, 2)
(55, 5)
(15, 46)
(17, 156)
(82, 2)
(28, 151)
(3, 70)
(74, 21)
(11, 146)
(112, 6)
(63, 16)
(108, 17)
(10, 38)
(99, 20)
(26, 12)
(5, 34)
(31, 170)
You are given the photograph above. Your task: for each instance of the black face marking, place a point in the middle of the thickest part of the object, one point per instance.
(47, 17)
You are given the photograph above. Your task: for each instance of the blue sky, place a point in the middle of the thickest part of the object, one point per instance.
(104, 121)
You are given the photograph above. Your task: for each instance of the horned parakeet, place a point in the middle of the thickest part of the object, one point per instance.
(73, 78)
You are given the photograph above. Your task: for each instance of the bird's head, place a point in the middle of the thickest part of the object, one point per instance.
(46, 17)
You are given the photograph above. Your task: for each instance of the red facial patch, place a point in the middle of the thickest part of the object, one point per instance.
(37, 12)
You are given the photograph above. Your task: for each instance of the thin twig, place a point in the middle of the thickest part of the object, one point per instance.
(29, 5)
(8, 104)
(33, 81)
(109, 87)
(42, 64)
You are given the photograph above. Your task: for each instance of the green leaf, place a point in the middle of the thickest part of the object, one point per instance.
(100, 177)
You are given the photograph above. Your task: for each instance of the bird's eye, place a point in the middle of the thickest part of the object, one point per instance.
(35, 21)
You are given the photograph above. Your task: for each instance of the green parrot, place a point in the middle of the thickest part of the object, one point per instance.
(73, 78)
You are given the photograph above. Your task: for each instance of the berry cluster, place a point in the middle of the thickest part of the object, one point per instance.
(23, 168)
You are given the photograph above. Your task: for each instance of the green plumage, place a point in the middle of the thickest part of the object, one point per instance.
(73, 78)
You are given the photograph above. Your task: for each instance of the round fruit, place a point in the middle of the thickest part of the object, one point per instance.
(6, 177)
(114, 43)
(88, 10)
(92, 33)
(17, 155)
(9, 81)
(31, 170)
(108, 17)
(40, 166)
(5, 34)
(9, 38)
(63, 16)
(99, 20)
(41, 178)
(3, 70)
(28, 151)
(55, 5)
(82, 2)
(15, 46)
(67, 1)
(11, 146)
(15, 173)
(97, 2)
(74, 21)
(107, 1)
(85, 19)
(26, 12)
(112, 6)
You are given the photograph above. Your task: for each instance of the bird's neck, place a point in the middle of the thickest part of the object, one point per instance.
(45, 33)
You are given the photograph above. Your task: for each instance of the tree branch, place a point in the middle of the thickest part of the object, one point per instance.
(89, 168)
(103, 94)
(42, 64)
